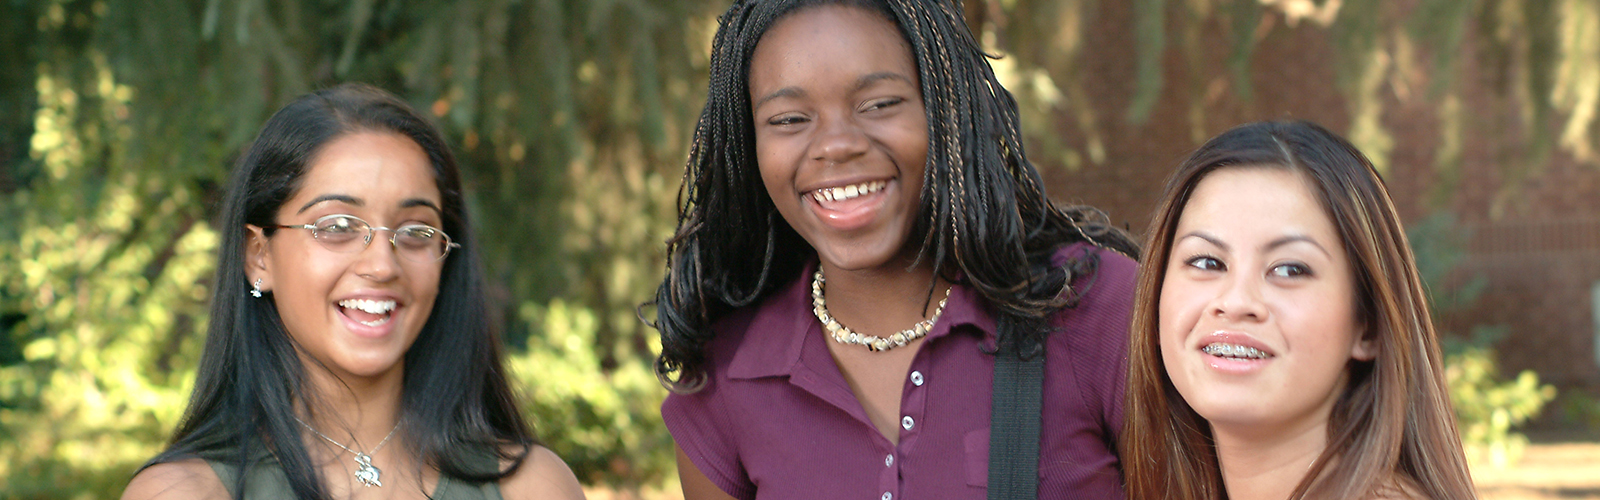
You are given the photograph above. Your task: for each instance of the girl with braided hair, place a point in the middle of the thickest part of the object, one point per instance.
(860, 238)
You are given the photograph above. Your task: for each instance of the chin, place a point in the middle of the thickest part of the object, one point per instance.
(372, 370)
(1230, 416)
(858, 258)
(1232, 409)
(853, 259)
(369, 365)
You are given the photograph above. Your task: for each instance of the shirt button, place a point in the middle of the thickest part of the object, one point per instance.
(888, 461)
(887, 496)
(907, 422)
(916, 379)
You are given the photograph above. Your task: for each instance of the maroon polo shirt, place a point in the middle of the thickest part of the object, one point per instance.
(776, 419)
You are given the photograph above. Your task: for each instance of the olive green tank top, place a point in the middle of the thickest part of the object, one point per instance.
(267, 480)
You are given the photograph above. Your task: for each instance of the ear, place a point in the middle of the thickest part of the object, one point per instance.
(1365, 348)
(255, 256)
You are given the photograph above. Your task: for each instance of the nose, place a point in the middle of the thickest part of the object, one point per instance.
(378, 261)
(1241, 300)
(839, 140)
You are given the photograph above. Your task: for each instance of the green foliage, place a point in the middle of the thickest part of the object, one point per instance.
(605, 424)
(1580, 408)
(118, 119)
(1438, 242)
(1151, 30)
(569, 116)
(1539, 54)
(107, 277)
(1487, 407)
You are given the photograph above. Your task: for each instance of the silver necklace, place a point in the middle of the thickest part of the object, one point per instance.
(365, 471)
(844, 335)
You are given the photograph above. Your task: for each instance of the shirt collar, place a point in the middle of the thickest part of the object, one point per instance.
(777, 335)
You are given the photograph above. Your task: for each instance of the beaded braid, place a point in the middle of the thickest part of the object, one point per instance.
(984, 212)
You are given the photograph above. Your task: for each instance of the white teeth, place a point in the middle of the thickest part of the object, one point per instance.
(382, 307)
(1234, 351)
(369, 306)
(848, 192)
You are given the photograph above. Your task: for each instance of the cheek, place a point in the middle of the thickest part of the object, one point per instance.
(1178, 308)
(776, 168)
(1327, 320)
(1174, 322)
(912, 151)
(303, 283)
(426, 285)
(775, 187)
(304, 272)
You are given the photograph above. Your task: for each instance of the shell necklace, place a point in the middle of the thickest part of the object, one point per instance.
(844, 335)
(365, 471)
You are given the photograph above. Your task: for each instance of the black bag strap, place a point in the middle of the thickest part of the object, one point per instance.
(1014, 426)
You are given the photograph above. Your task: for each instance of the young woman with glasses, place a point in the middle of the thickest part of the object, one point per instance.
(349, 353)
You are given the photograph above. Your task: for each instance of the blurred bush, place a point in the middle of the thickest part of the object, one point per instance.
(104, 283)
(119, 120)
(1488, 408)
(606, 425)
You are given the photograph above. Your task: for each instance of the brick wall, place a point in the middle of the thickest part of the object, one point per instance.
(1536, 231)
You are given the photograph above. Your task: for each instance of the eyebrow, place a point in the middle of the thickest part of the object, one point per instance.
(1270, 246)
(861, 83)
(351, 200)
(342, 198)
(419, 202)
(1285, 240)
(783, 92)
(868, 80)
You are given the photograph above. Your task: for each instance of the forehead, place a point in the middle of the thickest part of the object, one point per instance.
(1250, 202)
(839, 36)
(379, 168)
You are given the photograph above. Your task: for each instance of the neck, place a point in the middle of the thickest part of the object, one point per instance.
(358, 412)
(1260, 465)
(883, 300)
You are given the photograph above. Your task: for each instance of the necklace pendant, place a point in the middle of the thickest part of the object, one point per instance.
(366, 472)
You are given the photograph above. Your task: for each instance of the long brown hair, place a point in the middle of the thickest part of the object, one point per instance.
(1394, 418)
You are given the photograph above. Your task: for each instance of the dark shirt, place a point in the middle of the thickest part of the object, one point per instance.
(777, 420)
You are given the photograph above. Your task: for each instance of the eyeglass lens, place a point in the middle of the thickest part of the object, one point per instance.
(347, 234)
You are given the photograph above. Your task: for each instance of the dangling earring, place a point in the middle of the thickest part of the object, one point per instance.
(255, 290)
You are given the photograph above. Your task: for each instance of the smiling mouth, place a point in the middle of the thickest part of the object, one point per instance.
(368, 312)
(843, 193)
(1234, 351)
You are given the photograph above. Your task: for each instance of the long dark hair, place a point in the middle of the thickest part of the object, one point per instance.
(1394, 417)
(984, 211)
(456, 405)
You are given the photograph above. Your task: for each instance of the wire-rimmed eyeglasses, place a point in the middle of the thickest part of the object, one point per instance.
(349, 234)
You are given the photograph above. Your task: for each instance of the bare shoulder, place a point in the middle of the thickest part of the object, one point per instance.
(191, 478)
(543, 475)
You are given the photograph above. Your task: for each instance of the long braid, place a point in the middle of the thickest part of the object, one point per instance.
(984, 210)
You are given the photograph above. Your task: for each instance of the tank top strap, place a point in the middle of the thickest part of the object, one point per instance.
(265, 480)
(455, 489)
